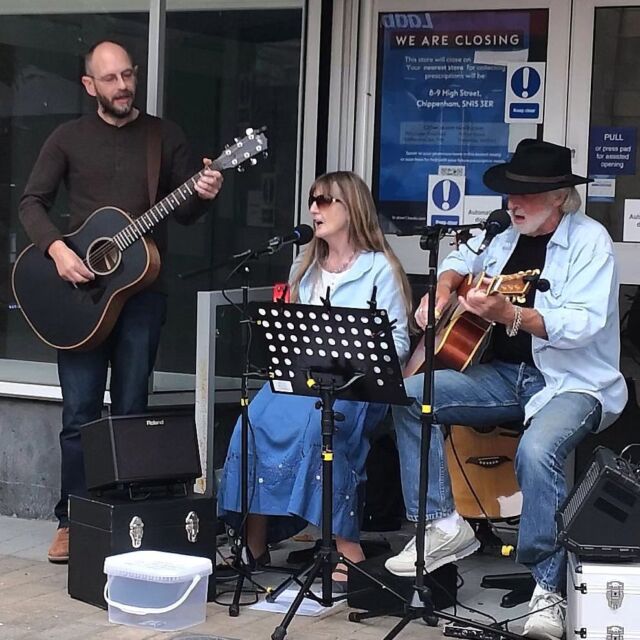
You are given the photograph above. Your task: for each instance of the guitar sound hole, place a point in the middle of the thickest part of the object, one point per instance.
(103, 256)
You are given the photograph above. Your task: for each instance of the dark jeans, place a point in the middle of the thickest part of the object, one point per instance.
(131, 351)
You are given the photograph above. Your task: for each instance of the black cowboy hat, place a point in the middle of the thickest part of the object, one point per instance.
(535, 167)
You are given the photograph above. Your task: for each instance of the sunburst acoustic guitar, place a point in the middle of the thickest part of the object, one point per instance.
(462, 336)
(113, 245)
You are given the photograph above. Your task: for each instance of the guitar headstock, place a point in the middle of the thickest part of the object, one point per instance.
(243, 150)
(515, 285)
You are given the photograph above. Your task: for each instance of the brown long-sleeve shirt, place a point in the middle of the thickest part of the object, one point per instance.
(104, 165)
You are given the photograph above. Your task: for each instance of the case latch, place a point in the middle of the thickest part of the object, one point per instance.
(192, 526)
(136, 531)
(615, 593)
(615, 632)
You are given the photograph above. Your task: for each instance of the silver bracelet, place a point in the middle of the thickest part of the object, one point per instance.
(517, 321)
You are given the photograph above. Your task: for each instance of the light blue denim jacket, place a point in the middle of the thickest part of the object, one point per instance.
(580, 311)
(355, 287)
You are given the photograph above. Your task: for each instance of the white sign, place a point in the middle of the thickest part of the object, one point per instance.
(631, 232)
(445, 199)
(604, 188)
(451, 170)
(524, 95)
(478, 208)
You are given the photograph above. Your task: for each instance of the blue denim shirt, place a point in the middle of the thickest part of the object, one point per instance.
(580, 311)
(355, 287)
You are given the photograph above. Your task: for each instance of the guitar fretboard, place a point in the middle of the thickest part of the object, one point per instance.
(148, 220)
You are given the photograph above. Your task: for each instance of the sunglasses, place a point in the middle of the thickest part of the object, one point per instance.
(322, 200)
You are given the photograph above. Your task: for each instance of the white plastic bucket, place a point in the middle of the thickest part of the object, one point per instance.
(165, 591)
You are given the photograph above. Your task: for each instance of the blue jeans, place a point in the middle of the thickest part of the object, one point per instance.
(491, 394)
(131, 351)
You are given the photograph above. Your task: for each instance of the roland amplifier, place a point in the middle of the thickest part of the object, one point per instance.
(601, 516)
(125, 451)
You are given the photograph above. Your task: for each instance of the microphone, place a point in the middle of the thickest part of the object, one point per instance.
(302, 234)
(497, 222)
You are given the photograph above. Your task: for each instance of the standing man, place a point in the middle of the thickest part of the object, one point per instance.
(554, 365)
(102, 160)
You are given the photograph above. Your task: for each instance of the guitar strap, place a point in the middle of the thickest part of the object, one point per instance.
(154, 156)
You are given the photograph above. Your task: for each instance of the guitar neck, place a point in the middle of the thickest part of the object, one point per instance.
(147, 221)
(242, 151)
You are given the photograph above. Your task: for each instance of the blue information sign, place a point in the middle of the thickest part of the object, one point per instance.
(526, 82)
(446, 195)
(441, 102)
(612, 151)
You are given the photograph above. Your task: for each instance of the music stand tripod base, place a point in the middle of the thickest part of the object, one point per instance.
(330, 353)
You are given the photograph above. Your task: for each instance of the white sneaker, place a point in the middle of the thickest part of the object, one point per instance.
(440, 548)
(547, 620)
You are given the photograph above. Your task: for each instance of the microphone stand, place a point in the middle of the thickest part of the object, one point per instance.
(239, 547)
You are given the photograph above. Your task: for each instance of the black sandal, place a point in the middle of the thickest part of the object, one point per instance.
(340, 586)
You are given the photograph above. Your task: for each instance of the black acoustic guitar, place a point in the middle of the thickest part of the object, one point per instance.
(113, 245)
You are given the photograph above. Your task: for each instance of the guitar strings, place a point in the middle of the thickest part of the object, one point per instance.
(103, 251)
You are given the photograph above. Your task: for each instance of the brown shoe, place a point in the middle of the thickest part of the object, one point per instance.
(59, 549)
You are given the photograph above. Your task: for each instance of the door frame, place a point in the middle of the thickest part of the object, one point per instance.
(579, 106)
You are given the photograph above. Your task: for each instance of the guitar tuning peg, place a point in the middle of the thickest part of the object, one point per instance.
(265, 154)
(249, 131)
(241, 168)
(253, 162)
(236, 140)
(226, 147)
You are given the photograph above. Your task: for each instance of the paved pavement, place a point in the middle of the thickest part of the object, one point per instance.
(34, 603)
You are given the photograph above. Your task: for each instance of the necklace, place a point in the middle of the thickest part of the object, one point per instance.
(343, 267)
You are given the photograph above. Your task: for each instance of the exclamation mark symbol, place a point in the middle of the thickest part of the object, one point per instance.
(446, 186)
(525, 82)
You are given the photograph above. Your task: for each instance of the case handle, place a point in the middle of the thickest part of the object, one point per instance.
(143, 611)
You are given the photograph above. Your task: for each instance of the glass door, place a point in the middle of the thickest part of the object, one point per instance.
(604, 108)
(604, 117)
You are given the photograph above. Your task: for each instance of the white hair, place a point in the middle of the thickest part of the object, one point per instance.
(572, 200)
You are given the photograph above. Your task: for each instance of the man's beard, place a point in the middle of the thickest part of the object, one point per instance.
(532, 225)
(108, 106)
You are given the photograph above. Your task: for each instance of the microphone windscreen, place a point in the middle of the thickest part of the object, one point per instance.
(499, 219)
(304, 233)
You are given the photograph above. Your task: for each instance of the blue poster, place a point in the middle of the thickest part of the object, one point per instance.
(441, 101)
(612, 151)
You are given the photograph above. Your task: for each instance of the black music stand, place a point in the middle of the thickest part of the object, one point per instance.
(329, 352)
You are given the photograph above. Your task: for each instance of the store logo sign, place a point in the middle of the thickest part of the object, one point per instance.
(406, 20)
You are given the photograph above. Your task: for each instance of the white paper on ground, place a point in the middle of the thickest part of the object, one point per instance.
(307, 607)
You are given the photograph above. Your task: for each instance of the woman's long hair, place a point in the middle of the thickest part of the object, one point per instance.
(365, 233)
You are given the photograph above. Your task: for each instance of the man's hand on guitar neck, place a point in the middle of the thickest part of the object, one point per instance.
(69, 265)
(494, 307)
(210, 182)
(498, 308)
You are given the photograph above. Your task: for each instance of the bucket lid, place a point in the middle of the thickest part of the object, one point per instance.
(157, 566)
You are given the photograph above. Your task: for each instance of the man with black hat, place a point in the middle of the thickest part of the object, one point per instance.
(554, 365)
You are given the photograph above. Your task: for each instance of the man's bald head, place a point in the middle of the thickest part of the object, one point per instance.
(106, 48)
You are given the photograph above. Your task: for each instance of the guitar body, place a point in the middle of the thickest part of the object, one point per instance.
(484, 463)
(461, 337)
(460, 340)
(79, 318)
(463, 341)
